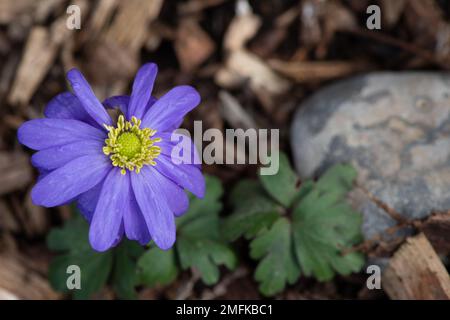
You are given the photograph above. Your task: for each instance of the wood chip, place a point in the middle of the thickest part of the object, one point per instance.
(16, 172)
(11, 9)
(36, 217)
(392, 11)
(40, 52)
(234, 113)
(241, 29)
(415, 272)
(102, 13)
(192, 45)
(194, 6)
(270, 40)
(7, 74)
(7, 219)
(337, 17)
(304, 71)
(311, 30)
(46, 8)
(125, 36)
(242, 65)
(129, 28)
(6, 295)
(437, 229)
(19, 280)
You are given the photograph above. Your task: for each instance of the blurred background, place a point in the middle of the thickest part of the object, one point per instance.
(253, 62)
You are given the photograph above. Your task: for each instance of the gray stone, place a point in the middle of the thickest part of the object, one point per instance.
(394, 128)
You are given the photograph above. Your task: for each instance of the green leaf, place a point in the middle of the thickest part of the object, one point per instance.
(246, 191)
(305, 188)
(324, 225)
(321, 227)
(254, 211)
(204, 256)
(278, 265)
(72, 242)
(283, 185)
(73, 232)
(199, 244)
(125, 276)
(338, 179)
(157, 266)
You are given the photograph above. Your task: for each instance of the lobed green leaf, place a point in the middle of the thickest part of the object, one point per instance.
(278, 264)
(157, 266)
(283, 186)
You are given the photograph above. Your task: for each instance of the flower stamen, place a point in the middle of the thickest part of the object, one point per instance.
(129, 147)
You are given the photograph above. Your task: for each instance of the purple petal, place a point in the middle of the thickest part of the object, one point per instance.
(123, 101)
(150, 103)
(176, 197)
(134, 223)
(88, 200)
(185, 150)
(118, 101)
(67, 182)
(87, 97)
(67, 106)
(119, 235)
(56, 157)
(142, 90)
(42, 173)
(41, 134)
(170, 109)
(185, 175)
(107, 219)
(154, 207)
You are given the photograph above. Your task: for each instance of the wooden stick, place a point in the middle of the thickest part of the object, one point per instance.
(437, 229)
(416, 272)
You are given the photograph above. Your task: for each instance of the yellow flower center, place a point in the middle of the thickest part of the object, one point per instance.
(130, 144)
(129, 147)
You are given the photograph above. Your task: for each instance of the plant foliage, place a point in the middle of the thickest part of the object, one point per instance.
(199, 247)
(296, 228)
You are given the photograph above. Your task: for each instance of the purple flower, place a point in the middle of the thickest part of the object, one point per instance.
(119, 172)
